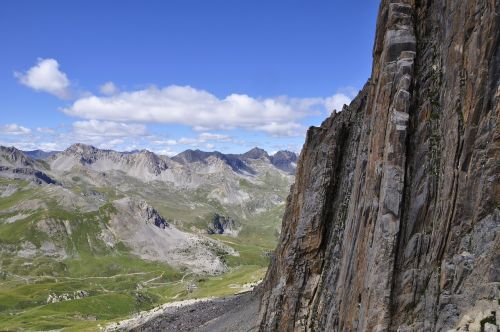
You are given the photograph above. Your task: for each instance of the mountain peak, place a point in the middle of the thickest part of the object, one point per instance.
(286, 154)
(285, 160)
(256, 153)
(81, 148)
(14, 164)
(15, 156)
(189, 156)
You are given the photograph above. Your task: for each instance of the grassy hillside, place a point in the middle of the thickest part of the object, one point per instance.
(35, 219)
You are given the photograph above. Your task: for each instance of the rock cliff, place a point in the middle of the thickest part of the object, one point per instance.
(223, 225)
(393, 222)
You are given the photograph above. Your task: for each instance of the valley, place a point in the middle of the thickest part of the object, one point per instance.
(89, 237)
(389, 220)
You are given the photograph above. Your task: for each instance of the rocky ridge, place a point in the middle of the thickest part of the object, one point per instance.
(285, 160)
(143, 163)
(14, 164)
(393, 222)
(150, 237)
(220, 174)
(92, 180)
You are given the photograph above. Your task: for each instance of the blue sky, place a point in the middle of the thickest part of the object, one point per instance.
(171, 75)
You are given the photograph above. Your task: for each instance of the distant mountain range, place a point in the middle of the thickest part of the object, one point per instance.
(188, 190)
(39, 154)
(283, 160)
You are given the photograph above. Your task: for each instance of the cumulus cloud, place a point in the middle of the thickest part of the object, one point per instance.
(336, 102)
(164, 142)
(45, 130)
(184, 105)
(111, 144)
(30, 145)
(102, 134)
(349, 91)
(46, 76)
(204, 111)
(282, 129)
(214, 137)
(48, 146)
(14, 129)
(108, 128)
(205, 140)
(108, 88)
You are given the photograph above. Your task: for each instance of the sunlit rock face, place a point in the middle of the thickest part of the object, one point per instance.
(393, 222)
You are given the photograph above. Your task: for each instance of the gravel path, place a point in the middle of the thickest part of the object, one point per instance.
(233, 313)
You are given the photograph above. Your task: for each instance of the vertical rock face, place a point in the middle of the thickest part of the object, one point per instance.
(393, 222)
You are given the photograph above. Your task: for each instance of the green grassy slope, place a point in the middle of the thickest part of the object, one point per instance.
(118, 283)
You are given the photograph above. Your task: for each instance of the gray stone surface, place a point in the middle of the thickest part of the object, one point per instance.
(393, 222)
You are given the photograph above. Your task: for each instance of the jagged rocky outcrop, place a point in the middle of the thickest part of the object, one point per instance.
(79, 294)
(142, 229)
(223, 225)
(285, 160)
(241, 163)
(143, 163)
(14, 164)
(255, 153)
(393, 222)
(151, 216)
(233, 161)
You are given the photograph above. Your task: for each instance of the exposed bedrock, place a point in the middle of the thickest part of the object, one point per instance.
(393, 222)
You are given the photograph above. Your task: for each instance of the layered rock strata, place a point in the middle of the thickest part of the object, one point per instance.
(393, 222)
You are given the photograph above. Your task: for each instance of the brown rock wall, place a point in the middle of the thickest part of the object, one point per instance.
(393, 222)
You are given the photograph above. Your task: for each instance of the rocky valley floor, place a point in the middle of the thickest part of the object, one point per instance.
(225, 314)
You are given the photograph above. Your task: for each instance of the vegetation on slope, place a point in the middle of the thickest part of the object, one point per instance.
(117, 283)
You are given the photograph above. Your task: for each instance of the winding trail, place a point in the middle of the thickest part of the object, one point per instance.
(38, 278)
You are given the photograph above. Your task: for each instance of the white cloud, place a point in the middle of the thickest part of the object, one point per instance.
(14, 129)
(202, 140)
(349, 91)
(214, 137)
(282, 129)
(108, 88)
(165, 142)
(49, 146)
(45, 130)
(102, 134)
(46, 76)
(189, 141)
(108, 129)
(337, 102)
(111, 144)
(30, 145)
(204, 111)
